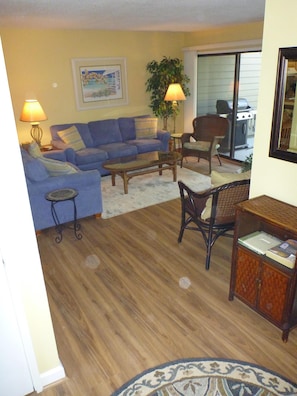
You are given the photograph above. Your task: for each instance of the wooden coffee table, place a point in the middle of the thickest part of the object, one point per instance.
(142, 164)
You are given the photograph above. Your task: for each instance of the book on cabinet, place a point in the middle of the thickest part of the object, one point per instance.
(284, 253)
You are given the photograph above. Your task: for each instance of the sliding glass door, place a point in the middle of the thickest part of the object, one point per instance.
(228, 85)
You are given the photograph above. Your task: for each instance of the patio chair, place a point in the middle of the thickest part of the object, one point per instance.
(209, 131)
(211, 212)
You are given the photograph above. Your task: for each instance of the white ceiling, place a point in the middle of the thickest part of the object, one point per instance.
(137, 15)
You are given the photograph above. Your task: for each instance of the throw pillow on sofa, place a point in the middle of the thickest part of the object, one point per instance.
(34, 150)
(57, 168)
(146, 128)
(72, 138)
(53, 167)
(219, 179)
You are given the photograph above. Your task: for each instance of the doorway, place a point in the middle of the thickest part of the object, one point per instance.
(228, 85)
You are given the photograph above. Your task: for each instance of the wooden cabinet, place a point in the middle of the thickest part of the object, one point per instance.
(263, 284)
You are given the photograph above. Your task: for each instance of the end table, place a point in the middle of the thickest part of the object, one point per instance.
(176, 139)
(61, 195)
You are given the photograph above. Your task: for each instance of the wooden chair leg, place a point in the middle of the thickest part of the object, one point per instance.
(219, 158)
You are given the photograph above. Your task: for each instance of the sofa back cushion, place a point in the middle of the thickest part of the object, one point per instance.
(127, 128)
(105, 132)
(82, 128)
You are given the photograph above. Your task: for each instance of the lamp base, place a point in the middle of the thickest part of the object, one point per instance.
(36, 133)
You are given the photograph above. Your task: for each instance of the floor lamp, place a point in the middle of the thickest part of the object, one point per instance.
(174, 94)
(32, 112)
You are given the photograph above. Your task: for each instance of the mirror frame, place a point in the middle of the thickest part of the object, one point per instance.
(285, 55)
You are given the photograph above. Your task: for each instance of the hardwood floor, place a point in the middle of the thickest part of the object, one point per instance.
(118, 309)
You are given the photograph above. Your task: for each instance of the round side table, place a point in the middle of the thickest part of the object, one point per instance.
(176, 137)
(61, 195)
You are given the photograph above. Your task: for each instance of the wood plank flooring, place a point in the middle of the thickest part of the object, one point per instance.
(118, 309)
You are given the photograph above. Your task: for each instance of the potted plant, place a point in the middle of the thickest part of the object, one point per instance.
(247, 163)
(164, 73)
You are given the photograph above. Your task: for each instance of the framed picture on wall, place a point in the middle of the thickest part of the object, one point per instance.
(99, 82)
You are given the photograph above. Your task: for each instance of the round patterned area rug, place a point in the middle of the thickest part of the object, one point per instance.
(208, 377)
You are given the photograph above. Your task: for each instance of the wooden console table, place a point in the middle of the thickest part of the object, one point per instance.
(263, 284)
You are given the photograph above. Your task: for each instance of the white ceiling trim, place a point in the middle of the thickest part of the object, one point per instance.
(228, 47)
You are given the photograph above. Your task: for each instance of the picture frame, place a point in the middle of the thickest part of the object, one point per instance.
(99, 82)
(283, 140)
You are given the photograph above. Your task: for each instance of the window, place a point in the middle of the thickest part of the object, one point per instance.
(227, 84)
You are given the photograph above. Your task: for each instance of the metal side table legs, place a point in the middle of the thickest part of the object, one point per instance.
(56, 196)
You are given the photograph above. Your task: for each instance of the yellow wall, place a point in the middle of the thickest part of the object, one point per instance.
(35, 59)
(248, 31)
(271, 176)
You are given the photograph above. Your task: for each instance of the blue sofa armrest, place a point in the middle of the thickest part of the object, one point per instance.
(59, 155)
(88, 201)
(59, 144)
(66, 155)
(164, 137)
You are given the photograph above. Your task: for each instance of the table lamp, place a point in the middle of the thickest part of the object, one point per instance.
(174, 94)
(32, 112)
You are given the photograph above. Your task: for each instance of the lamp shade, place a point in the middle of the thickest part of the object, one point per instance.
(32, 112)
(174, 93)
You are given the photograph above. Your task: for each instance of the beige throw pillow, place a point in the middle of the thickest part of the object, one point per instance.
(57, 168)
(72, 138)
(34, 150)
(146, 128)
(219, 179)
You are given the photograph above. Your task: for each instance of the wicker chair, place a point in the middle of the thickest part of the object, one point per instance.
(205, 140)
(222, 201)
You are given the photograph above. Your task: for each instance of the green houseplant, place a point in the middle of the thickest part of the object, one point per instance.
(162, 74)
(247, 163)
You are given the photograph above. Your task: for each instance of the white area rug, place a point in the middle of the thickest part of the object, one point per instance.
(147, 190)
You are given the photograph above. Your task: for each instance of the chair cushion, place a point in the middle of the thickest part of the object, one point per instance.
(146, 128)
(219, 179)
(72, 138)
(200, 145)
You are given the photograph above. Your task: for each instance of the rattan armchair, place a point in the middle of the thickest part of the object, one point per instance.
(222, 201)
(208, 132)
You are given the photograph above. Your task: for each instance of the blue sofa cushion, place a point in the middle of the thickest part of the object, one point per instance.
(116, 150)
(127, 127)
(82, 128)
(146, 145)
(90, 155)
(105, 132)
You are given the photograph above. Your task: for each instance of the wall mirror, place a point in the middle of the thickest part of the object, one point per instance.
(283, 142)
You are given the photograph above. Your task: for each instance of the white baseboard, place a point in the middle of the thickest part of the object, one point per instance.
(53, 375)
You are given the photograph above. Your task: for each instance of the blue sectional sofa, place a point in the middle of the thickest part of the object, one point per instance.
(39, 182)
(108, 139)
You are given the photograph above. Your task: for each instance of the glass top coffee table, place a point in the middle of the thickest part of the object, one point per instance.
(142, 164)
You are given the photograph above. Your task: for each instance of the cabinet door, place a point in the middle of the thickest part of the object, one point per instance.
(247, 275)
(273, 293)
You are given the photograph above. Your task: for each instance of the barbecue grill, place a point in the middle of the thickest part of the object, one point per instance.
(243, 115)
